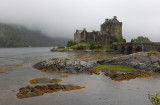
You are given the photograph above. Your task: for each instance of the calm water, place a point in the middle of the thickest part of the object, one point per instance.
(16, 70)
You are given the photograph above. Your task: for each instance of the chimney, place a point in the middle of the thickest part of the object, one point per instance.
(106, 20)
(115, 17)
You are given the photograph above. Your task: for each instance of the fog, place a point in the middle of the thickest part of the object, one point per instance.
(62, 17)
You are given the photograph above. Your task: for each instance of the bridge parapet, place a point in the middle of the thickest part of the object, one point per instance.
(128, 48)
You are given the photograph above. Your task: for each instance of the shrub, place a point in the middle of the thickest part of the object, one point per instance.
(71, 43)
(141, 39)
(81, 47)
(154, 99)
(61, 47)
(116, 39)
(100, 46)
(92, 46)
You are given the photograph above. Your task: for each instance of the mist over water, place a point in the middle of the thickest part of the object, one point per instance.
(60, 18)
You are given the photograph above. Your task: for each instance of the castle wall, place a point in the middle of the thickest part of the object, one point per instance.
(109, 28)
(83, 36)
(90, 37)
(117, 30)
(77, 37)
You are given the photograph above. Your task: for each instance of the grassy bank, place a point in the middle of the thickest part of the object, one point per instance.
(98, 68)
(153, 53)
(91, 46)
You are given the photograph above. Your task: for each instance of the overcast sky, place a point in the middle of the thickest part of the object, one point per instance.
(63, 17)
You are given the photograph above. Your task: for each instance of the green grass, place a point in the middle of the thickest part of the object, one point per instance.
(108, 46)
(153, 53)
(97, 68)
(80, 46)
(83, 46)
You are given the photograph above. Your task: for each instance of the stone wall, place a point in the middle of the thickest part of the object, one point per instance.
(129, 48)
(109, 28)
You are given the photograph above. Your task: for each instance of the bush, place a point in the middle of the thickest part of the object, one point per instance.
(116, 39)
(61, 47)
(81, 47)
(92, 46)
(71, 43)
(100, 46)
(154, 99)
(141, 39)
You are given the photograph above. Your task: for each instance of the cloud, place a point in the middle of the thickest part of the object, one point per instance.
(63, 17)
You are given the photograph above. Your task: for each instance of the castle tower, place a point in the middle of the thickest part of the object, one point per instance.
(112, 27)
(80, 36)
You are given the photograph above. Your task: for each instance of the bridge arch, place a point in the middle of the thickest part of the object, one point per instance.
(138, 49)
(129, 49)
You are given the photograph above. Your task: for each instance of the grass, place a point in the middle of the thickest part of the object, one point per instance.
(154, 98)
(98, 68)
(153, 53)
(108, 46)
(80, 46)
(83, 46)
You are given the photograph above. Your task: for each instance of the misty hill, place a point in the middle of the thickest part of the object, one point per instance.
(18, 36)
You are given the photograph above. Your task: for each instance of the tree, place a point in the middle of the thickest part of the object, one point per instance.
(116, 39)
(141, 39)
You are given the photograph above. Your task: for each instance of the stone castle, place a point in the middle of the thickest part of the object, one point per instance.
(109, 28)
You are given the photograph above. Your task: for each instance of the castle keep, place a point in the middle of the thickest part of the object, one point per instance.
(109, 28)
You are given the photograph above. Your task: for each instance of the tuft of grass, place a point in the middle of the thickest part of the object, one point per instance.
(153, 53)
(97, 68)
(154, 99)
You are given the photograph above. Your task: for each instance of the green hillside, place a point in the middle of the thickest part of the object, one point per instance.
(17, 36)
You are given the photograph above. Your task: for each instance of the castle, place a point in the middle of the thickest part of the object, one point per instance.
(111, 27)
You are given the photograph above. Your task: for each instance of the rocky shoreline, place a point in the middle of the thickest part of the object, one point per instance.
(144, 63)
(66, 65)
(140, 60)
(87, 50)
(120, 76)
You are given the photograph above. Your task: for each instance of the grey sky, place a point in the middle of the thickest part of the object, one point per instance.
(63, 17)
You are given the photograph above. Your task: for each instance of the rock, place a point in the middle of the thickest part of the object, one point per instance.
(139, 60)
(66, 65)
(157, 70)
(87, 50)
(109, 50)
(120, 76)
(39, 90)
(154, 58)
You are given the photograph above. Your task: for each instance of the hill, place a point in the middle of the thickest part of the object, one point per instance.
(18, 36)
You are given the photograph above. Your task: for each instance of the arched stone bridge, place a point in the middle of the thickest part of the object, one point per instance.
(128, 48)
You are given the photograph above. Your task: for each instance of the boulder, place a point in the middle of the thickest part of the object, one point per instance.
(140, 60)
(65, 65)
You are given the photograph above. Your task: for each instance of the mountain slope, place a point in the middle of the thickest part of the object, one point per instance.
(17, 36)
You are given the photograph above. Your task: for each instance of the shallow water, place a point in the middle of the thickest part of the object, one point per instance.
(16, 71)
